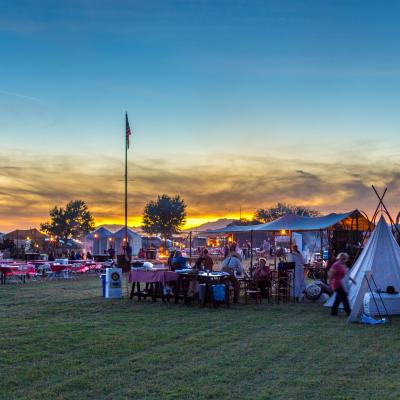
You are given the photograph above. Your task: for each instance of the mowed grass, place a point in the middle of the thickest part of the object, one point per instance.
(62, 340)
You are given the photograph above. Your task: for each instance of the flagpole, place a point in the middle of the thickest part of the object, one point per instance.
(126, 185)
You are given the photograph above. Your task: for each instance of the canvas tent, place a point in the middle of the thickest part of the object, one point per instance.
(135, 241)
(99, 238)
(381, 259)
(353, 220)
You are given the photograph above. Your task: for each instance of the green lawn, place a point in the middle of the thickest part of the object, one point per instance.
(61, 340)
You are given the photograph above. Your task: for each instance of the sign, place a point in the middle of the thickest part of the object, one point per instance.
(113, 283)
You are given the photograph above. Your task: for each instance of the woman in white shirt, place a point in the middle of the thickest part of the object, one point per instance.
(299, 281)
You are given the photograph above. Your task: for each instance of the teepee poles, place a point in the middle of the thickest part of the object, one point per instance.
(386, 210)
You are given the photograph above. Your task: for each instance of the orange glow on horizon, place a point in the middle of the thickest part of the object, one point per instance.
(191, 222)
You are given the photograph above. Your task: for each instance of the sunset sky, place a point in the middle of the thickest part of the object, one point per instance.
(232, 104)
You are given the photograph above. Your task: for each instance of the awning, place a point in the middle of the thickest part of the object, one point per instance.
(353, 220)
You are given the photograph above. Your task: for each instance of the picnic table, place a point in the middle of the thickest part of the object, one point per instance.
(157, 279)
(16, 270)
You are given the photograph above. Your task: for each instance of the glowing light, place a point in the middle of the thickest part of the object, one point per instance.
(110, 239)
(283, 232)
(27, 238)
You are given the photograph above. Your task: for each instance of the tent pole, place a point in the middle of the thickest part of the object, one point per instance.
(251, 253)
(190, 248)
(322, 252)
(387, 212)
(373, 297)
(328, 239)
(370, 224)
(379, 294)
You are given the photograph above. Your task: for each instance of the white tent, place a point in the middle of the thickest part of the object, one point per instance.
(98, 241)
(134, 238)
(379, 259)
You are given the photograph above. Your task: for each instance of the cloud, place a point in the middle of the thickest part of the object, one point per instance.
(215, 185)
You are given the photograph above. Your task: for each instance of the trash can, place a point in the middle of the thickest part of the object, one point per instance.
(103, 284)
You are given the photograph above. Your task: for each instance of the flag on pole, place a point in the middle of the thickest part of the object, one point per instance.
(128, 130)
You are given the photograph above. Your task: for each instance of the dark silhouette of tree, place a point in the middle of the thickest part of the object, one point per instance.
(165, 216)
(70, 222)
(280, 209)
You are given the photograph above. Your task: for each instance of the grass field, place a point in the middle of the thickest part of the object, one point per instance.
(61, 340)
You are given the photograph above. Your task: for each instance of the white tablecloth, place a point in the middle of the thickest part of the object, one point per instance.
(391, 302)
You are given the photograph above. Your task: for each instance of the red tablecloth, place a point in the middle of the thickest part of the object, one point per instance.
(17, 270)
(59, 267)
(84, 267)
(152, 276)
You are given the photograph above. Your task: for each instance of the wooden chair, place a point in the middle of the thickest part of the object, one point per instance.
(280, 285)
(251, 290)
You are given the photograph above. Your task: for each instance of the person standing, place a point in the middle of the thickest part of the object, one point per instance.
(111, 252)
(266, 248)
(299, 282)
(128, 252)
(336, 277)
(226, 251)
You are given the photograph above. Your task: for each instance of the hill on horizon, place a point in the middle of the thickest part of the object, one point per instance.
(116, 227)
(219, 223)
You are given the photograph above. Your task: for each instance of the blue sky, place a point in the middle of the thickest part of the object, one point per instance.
(203, 82)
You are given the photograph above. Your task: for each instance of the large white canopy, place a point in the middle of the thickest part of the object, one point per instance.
(353, 220)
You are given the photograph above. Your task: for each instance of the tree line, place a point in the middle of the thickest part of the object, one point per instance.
(164, 216)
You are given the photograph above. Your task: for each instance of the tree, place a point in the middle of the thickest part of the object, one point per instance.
(165, 216)
(70, 222)
(280, 209)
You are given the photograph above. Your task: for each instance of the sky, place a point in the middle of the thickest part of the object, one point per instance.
(232, 104)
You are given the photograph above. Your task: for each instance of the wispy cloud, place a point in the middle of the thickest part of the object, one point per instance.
(21, 96)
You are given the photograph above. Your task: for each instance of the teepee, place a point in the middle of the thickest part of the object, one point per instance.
(379, 259)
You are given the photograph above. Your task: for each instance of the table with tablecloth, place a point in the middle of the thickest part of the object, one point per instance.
(158, 279)
(22, 271)
(383, 300)
(186, 277)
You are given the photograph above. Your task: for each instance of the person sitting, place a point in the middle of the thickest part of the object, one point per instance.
(78, 256)
(51, 257)
(207, 261)
(262, 277)
(233, 266)
(89, 256)
(142, 253)
(170, 258)
(178, 262)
